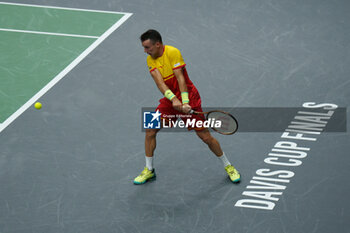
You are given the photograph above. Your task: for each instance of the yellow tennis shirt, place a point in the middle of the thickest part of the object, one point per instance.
(170, 60)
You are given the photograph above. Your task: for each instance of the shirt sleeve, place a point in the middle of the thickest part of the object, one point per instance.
(176, 59)
(150, 63)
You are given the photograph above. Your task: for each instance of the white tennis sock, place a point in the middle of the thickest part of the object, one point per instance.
(224, 160)
(149, 163)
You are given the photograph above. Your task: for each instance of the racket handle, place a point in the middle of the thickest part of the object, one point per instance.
(197, 113)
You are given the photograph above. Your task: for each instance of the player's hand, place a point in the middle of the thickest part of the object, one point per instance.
(186, 108)
(177, 104)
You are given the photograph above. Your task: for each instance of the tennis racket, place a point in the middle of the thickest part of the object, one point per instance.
(229, 124)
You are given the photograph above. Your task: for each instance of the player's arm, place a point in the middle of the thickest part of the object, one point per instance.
(180, 79)
(163, 88)
(183, 88)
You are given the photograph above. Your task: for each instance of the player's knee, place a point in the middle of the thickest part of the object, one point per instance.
(151, 133)
(206, 138)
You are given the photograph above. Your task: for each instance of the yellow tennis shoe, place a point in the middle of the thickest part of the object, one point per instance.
(145, 176)
(234, 175)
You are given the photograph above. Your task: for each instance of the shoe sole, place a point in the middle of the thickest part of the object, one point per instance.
(236, 180)
(150, 179)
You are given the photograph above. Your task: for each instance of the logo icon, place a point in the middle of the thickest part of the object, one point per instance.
(151, 120)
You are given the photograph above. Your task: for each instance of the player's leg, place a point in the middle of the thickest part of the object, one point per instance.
(150, 145)
(212, 143)
(148, 173)
(215, 147)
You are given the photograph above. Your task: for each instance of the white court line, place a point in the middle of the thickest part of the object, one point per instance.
(65, 71)
(47, 33)
(61, 8)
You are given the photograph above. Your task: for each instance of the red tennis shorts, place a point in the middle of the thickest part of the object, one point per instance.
(165, 107)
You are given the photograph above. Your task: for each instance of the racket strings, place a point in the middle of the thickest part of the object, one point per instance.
(228, 123)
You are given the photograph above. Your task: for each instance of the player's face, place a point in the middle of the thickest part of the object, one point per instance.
(151, 48)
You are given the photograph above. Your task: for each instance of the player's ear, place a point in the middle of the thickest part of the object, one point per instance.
(158, 44)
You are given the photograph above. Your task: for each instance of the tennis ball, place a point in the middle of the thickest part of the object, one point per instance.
(37, 105)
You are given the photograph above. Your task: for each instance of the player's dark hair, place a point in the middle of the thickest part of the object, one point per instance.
(153, 35)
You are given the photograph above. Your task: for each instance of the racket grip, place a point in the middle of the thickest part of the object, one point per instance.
(191, 111)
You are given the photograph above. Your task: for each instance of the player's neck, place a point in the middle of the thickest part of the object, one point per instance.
(161, 51)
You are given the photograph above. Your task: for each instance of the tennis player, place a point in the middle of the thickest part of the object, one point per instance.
(167, 68)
